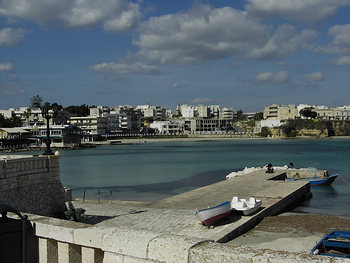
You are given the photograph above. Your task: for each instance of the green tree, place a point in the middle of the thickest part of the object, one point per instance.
(258, 116)
(240, 116)
(57, 106)
(14, 121)
(308, 113)
(36, 102)
(265, 132)
(81, 111)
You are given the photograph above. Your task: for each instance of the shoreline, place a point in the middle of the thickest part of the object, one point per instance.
(290, 231)
(203, 138)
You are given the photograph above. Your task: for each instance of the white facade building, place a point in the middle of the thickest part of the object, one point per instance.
(227, 113)
(188, 111)
(166, 127)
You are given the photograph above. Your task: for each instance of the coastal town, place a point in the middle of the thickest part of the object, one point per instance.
(76, 125)
(150, 131)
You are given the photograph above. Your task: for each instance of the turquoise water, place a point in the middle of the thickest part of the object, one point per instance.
(152, 171)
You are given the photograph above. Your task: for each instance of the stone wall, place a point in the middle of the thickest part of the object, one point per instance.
(32, 184)
(71, 242)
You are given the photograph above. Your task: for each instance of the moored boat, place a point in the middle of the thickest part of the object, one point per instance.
(248, 207)
(316, 180)
(335, 244)
(210, 215)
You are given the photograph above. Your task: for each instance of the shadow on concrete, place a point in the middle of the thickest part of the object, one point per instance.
(95, 219)
(231, 218)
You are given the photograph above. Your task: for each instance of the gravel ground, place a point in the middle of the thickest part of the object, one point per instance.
(291, 232)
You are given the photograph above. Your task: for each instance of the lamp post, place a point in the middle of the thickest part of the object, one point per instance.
(49, 112)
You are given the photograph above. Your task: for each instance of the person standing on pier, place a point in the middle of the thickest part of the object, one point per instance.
(269, 168)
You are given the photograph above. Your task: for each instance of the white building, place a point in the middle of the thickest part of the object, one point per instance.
(92, 127)
(166, 127)
(281, 112)
(227, 113)
(61, 135)
(203, 111)
(187, 111)
(99, 111)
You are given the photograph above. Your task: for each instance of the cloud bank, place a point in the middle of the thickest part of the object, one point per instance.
(10, 37)
(297, 10)
(279, 77)
(113, 15)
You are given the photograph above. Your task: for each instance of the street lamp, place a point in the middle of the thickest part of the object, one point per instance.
(49, 112)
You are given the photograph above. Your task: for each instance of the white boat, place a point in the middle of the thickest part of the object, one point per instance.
(210, 215)
(247, 207)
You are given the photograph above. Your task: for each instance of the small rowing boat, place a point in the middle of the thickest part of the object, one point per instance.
(335, 244)
(316, 180)
(210, 215)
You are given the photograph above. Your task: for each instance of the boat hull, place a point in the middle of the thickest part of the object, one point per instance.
(316, 181)
(213, 214)
(244, 206)
(252, 210)
(335, 244)
(324, 181)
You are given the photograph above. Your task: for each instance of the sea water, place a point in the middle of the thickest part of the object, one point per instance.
(153, 171)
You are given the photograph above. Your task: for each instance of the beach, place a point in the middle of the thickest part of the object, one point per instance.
(291, 232)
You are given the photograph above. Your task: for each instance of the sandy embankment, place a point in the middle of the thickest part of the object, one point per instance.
(291, 232)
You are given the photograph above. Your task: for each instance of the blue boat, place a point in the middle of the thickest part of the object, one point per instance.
(316, 180)
(335, 244)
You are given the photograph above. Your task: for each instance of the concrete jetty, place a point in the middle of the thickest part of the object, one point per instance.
(176, 215)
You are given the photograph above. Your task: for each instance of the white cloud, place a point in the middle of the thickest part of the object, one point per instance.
(128, 18)
(14, 91)
(177, 85)
(114, 15)
(313, 77)
(201, 100)
(299, 10)
(345, 60)
(341, 35)
(203, 33)
(340, 43)
(125, 68)
(284, 42)
(7, 67)
(10, 37)
(272, 78)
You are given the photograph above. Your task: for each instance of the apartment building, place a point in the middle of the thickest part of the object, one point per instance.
(214, 125)
(92, 127)
(167, 127)
(326, 113)
(227, 113)
(155, 112)
(203, 111)
(61, 135)
(187, 111)
(281, 112)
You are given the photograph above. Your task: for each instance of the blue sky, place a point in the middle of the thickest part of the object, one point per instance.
(244, 54)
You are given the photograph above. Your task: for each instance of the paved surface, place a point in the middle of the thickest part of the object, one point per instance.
(176, 215)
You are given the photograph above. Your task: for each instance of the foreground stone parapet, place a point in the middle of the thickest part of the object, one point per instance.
(128, 242)
(67, 241)
(171, 248)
